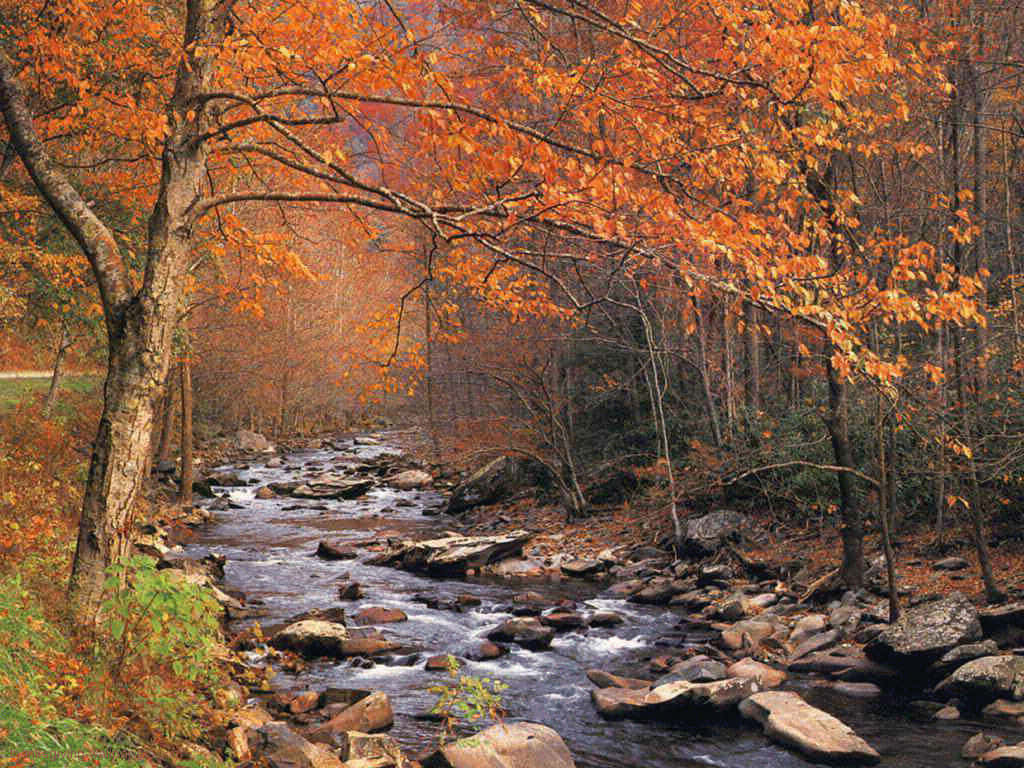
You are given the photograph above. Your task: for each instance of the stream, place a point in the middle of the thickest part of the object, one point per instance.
(270, 545)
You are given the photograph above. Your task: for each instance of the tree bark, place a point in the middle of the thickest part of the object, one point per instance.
(753, 357)
(851, 525)
(187, 466)
(139, 322)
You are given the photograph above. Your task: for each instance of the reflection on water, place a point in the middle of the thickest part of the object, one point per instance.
(270, 559)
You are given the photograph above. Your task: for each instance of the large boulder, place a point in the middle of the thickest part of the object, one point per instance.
(983, 680)
(312, 637)
(1003, 623)
(503, 477)
(252, 442)
(453, 554)
(284, 748)
(705, 535)
(507, 745)
(789, 720)
(927, 631)
(678, 699)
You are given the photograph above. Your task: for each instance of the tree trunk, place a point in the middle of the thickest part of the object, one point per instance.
(163, 453)
(187, 466)
(58, 368)
(139, 321)
(753, 358)
(851, 525)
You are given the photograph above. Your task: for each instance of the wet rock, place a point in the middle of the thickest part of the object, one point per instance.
(751, 669)
(376, 614)
(671, 700)
(605, 619)
(342, 489)
(440, 662)
(626, 588)
(312, 638)
(581, 569)
(979, 744)
(926, 632)
(1003, 757)
(986, 679)
(603, 679)
(707, 534)
(856, 690)
(251, 442)
(789, 720)
(487, 651)
(284, 748)
(562, 620)
(656, 592)
(453, 554)
(367, 715)
(334, 551)
(238, 741)
(275, 463)
(1004, 708)
(697, 669)
(948, 712)
(266, 492)
(503, 477)
(304, 702)
(350, 590)
(950, 564)
(372, 645)
(226, 480)
(410, 480)
(507, 745)
(527, 632)
(732, 609)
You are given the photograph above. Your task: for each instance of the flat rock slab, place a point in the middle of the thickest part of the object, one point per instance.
(789, 720)
(672, 699)
(1004, 757)
(453, 554)
(352, 489)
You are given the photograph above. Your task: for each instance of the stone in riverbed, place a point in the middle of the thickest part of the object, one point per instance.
(672, 699)
(453, 554)
(329, 550)
(979, 744)
(312, 638)
(696, 669)
(1004, 708)
(377, 614)
(559, 620)
(487, 651)
(265, 493)
(765, 676)
(581, 569)
(603, 679)
(281, 746)
(367, 715)
(986, 679)
(1003, 623)
(605, 619)
(1004, 757)
(342, 489)
(789, 720)
(925, 632)
(350, 590)
(410, 480)
(525, 631)
(506, 745)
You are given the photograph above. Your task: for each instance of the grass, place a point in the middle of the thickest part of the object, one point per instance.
(13, 391)
(35, 679)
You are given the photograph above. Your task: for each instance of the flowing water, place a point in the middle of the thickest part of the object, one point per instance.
(270, 545)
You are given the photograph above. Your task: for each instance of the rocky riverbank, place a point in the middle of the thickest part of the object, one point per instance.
(747, 642)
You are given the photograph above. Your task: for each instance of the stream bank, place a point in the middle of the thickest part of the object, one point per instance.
(270, 542)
